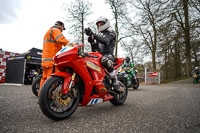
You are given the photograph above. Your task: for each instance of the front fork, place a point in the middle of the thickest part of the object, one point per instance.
(70, 82)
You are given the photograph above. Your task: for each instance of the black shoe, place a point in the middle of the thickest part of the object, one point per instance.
(118, 89)
(116, 86)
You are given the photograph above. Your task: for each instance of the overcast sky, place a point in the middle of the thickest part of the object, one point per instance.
(23, 23)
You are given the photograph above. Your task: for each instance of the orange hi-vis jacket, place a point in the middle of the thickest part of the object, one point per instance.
(53, 42)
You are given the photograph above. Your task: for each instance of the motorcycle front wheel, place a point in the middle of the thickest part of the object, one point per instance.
(53, 103)
(36, 85)
(136, 84)
(119, 99)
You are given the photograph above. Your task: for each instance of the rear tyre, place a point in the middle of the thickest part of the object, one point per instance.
(36, 85)
(52, 102)
(195, 81)
(119, 99)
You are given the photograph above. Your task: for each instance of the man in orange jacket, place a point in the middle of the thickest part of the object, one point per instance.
(53, 42)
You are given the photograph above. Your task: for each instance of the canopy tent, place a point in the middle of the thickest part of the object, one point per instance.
(18, 66)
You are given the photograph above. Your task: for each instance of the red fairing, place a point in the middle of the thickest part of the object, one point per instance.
(119, 62)
(67, 78)
(90, 71)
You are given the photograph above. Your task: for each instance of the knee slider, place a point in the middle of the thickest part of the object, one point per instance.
(110, 63)
(104, 60)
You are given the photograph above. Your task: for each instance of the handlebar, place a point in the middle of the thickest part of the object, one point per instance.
(84, 54)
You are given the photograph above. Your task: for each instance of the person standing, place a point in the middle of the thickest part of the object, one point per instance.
(53, 42)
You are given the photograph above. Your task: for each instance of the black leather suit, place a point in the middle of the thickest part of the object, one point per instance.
(105, 44)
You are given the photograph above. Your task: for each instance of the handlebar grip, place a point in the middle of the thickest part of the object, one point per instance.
(92, 56)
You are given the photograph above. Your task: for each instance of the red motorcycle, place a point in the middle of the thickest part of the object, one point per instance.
(81, 81)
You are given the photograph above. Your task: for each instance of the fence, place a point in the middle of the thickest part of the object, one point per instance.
(152, 77)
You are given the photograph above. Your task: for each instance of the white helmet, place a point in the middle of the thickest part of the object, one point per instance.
(196, 68)
(105, 26)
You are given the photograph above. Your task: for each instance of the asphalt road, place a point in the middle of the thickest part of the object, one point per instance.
(166, 108)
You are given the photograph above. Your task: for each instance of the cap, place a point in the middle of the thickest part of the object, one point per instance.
(60, 23)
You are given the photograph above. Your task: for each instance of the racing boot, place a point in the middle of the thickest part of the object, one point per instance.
(115, 83)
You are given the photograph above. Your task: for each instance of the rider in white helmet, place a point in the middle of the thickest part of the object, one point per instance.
(196, 71)
(104, 43)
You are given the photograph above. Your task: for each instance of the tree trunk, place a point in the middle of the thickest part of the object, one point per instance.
(176, 63)
(196, 59)
(117, 35)
(82, 32)
(154, 60)
(187, 38)
(154, 47)
(166, 64)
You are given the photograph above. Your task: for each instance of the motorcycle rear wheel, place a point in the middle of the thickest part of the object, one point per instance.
(36, 85)
(195, 81)
(119, 99)
(53, 104)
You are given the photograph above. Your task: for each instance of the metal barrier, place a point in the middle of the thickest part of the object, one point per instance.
(152, 77)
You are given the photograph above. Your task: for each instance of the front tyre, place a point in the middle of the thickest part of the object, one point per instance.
(119, 99)
(36, 85)
(136, 84)
(53, 103)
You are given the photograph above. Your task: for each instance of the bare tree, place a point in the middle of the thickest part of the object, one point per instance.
(171, 50)
(188, 20)
(152, 14)
(133, 50)
(76, 16)
(119, 9)
(195, 4)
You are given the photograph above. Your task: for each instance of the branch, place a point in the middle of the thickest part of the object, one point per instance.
(179, 21)
(145, 39)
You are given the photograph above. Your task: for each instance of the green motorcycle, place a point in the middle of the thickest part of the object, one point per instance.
(195, 78)
(131, 79)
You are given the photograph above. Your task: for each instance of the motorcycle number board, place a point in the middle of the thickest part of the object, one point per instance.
(95, 101)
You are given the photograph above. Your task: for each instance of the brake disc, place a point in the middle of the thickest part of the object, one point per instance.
(59, 101)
